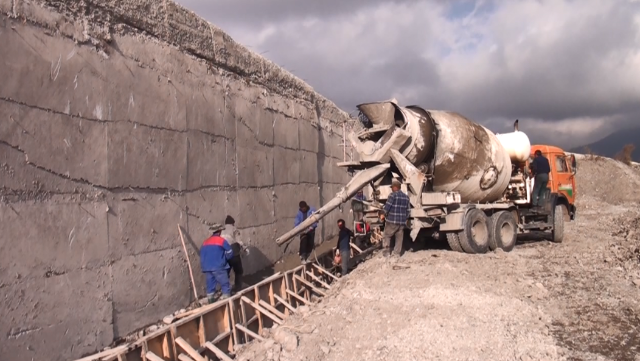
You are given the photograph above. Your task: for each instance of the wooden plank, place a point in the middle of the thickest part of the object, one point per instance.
(256, 296)
(298, 297)
(272, 309)
(218, 352)
(153, 357)
(325, 272)
(104, 353)
(311, 286)
(249, 332)
(221, 336)
(317, 279)
(234, 332)
(183, 357)
(189, 350)
(201, 330)
(262, 310)
(285, 303)
(186, 254)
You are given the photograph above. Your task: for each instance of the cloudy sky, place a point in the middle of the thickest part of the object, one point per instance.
(569, 70)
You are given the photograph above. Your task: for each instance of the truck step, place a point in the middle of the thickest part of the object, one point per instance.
(537, 225)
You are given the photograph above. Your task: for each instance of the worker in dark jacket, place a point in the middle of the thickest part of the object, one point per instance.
(344, 247)
(215, 254)
(396, 214)
(540, 169)
(307, 237)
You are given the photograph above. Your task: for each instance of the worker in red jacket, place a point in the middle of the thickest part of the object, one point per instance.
(215, 254)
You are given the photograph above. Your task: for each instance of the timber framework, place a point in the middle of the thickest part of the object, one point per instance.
(212, 332)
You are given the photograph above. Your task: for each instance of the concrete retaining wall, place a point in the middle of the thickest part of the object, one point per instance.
(120, 120)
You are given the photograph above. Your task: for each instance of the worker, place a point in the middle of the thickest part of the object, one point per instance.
(396, 214)
(540, 170)
(357, 207)
(230, 233)
(362, 234)
(308, 235)
(215, 254)
(344, 240)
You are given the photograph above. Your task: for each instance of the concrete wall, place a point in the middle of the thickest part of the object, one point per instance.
(120, 120)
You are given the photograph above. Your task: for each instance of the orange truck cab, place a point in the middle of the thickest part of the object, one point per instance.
(562, 180)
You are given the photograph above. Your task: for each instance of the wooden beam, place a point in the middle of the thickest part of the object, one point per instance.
(232, 311)
(285, 303)
(183, 357)
(262, 310)
(317, 279)
(325, 272)
(272, 309)
(310, 285)
(153, 357)
(104, 353)
(186, 254)
(249, 332)
(189, 350)
(218, 352)
(355, 247)
(298, 297)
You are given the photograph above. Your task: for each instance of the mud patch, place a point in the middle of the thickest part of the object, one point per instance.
(596, 330)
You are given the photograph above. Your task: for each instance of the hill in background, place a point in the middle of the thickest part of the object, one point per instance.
(613, 144)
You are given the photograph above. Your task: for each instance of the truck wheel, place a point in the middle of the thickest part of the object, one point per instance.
(453, 239)
(475, 236)
(557, 234)
(504, 231)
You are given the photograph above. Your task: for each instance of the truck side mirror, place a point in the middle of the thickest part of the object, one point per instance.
(574, 164)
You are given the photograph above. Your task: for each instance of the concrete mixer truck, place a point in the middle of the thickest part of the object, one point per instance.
(464, 182)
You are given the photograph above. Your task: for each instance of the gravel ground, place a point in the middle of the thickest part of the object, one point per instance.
(543, 301)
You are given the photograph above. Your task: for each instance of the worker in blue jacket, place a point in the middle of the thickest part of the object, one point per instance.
(215, 254)
(307, 242)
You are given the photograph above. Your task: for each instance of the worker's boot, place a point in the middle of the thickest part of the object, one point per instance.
(211, 297)
(224, 297)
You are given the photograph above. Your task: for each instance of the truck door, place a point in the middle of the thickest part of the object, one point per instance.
(563, 180)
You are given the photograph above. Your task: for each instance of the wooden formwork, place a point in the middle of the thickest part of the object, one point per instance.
(211, 332)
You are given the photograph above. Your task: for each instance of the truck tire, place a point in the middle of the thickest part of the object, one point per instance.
(557, 234)
(453, 239)
(504, 231)
(474, 238)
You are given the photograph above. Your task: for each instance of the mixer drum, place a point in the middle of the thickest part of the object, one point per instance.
(469, 159)
(463, 156)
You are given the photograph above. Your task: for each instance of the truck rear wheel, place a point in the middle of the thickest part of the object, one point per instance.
(453, 239)
(504, 231)
(557, 234)
(474, 238)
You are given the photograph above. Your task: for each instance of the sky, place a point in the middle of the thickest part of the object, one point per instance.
(568, 70)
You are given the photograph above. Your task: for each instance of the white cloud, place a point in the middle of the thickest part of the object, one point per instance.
(570, 67)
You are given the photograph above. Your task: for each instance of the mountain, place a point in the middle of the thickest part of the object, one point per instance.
(612, 144)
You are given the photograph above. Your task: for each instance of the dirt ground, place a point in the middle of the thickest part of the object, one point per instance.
(543, 301)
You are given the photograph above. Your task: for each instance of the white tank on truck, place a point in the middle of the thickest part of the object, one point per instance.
(463, 180)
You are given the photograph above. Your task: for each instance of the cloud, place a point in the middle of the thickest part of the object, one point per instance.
(568, 69)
